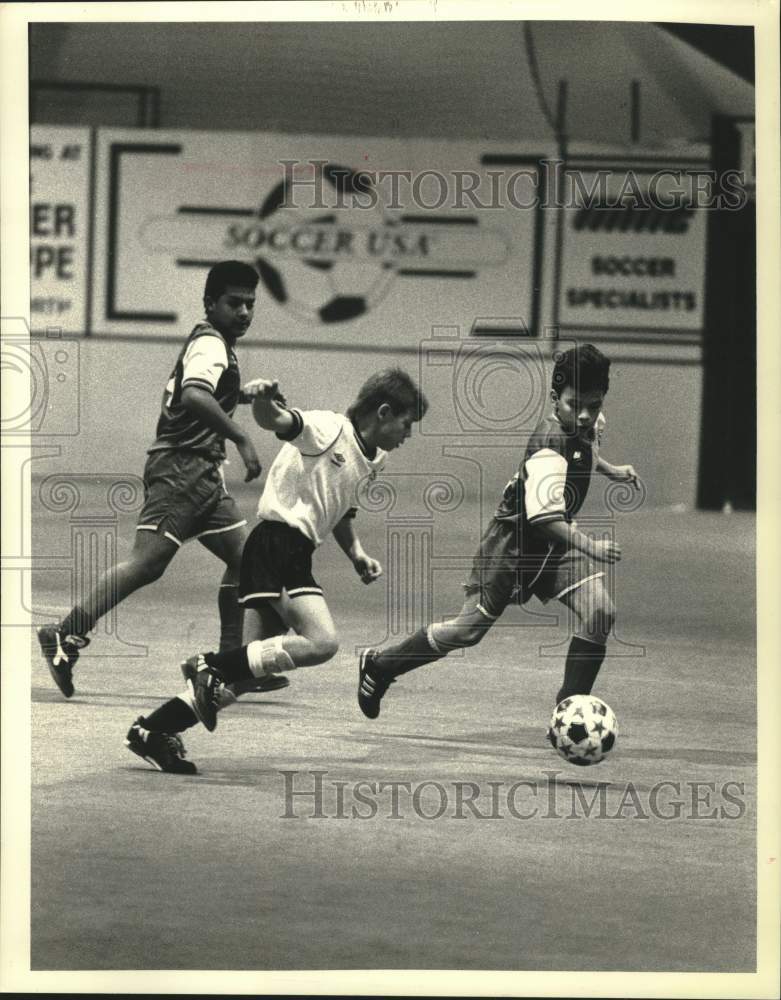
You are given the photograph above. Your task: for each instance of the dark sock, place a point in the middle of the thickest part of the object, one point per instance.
(231, 616)
(173, 717)
(232, 664)
(77, 622)
(409, 654)
(584, 659)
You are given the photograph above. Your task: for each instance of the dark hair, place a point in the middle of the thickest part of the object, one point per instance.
(229, 272)
(584, 368)
(392, 386)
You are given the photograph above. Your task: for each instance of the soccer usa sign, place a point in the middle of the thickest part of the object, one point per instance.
(342, 258)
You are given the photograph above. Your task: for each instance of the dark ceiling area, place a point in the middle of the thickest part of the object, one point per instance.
(732, 45)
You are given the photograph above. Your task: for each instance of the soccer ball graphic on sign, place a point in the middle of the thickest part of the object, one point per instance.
(319, 288)
(583, 729)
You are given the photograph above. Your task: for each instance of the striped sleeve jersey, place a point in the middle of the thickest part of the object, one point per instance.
(552, 480)
(208, 361)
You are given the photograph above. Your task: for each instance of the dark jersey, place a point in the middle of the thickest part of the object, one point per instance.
(207, 360)
(552, 480)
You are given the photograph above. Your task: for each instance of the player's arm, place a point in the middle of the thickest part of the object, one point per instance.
(201, 403)
(368, 569)
(271, 414)
(562, 532)
(545, 497)
(618, 473)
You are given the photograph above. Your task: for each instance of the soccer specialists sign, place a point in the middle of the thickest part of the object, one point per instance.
(632, 250)
(59, 227)
(357, 241)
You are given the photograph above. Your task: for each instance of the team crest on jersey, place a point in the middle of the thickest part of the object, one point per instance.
(338, 459)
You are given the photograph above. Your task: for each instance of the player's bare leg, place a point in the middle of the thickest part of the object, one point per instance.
(315, 642)
(261, 623)
(592, 606)
(60, 644)
(151, 554)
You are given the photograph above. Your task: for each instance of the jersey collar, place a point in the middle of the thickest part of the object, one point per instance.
(370, 453)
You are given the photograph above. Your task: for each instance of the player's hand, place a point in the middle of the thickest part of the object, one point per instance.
(250, 459)
(605, 550)
(263, 387)
(368, 569)
(625, 474)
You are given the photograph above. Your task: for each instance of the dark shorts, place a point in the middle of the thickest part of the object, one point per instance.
(185, 497)
(502, 575)
(276, 558)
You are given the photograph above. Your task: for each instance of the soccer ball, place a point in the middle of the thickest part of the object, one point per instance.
(583, 729)
(324, 289)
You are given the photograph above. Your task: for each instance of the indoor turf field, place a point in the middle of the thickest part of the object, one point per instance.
(134, 869)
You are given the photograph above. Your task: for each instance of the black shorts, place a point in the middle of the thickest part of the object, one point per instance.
(276, 558)
(185, 497)
(501, 574)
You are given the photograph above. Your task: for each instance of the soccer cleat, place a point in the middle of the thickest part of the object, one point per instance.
(229, 694)
(191, 667)
(261, 685)
(165, 751)
(372, 684)
(206, 686)
(224, 697)
(269, 682)
(60, 652)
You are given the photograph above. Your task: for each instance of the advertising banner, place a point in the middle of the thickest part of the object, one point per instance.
(359, 242)
(59, 227)
(632, 250)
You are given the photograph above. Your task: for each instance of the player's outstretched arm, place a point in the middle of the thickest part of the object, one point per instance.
(618, 473)
(267, 410)
(367, 568)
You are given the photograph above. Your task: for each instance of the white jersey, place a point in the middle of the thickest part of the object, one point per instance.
(313, 481)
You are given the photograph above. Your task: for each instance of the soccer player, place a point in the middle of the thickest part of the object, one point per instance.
(311, 491)
(185, 494)
(531, 546)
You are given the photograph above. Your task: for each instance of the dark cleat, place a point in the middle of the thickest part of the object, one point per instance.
(61, 653)
(261, 685)
(372, 684)
(165, 751)
(206, 686)
(269, 682)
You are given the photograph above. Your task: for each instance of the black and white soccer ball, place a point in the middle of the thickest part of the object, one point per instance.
(322, 287)
(583, 729)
